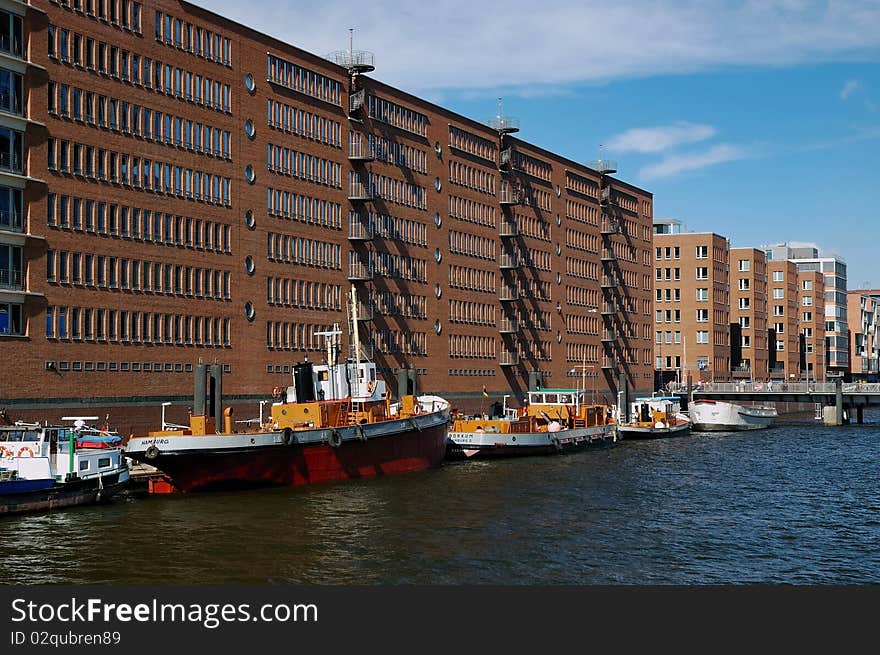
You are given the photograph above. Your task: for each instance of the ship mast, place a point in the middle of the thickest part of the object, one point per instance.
(355, 339)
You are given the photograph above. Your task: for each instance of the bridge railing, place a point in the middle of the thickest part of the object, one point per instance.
(776, 387)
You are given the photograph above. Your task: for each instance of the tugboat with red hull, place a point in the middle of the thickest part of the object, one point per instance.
(335, 422)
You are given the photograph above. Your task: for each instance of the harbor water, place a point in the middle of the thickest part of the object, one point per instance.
(793, 504)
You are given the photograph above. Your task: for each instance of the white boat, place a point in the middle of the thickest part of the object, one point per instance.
(45, 467)
(718, 416)
(653, 417)
(552, 421)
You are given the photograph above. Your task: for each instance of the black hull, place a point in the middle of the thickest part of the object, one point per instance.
(67, 494)
(456, 453)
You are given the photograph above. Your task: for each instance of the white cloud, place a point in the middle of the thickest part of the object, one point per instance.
(674, 164)
(657, 139)
(848, 88)
(458, 44)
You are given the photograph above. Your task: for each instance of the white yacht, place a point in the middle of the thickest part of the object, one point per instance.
(720, 416)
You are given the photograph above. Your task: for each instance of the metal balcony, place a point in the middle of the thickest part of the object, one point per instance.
(609, 227)
(508, 358)
(603, 166)
(358, 151)
(508, 260)
(364, 311)
(609, 336)
(509, 196)
(359, 272)
(11, 279)
(508, 326)
(361, 192)
(508, 294)
(358, 231)
(508, 229)
(506, 162)
(609, 363)
(608, 255)
(610, 309)
(608, 282)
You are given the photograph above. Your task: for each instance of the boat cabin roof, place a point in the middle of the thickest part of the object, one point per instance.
(645, 399)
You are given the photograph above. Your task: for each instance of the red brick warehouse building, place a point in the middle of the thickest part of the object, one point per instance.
(176, 186)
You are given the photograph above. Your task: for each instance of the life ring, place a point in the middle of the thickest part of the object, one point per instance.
(25, 449)
(152, 452)
(417, 408)
(4, 452)
(371, 386)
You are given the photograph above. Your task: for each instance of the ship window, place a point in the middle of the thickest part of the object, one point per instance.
(83, 465)
(104, 462)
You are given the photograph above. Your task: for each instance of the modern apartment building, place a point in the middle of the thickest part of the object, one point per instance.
(863, 318)
(175, 186)
(783, 319)
(811, 289)
(833, 267)
(691, 304)
(748, 314)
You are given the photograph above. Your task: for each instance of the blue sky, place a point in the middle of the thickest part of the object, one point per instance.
(759, 120)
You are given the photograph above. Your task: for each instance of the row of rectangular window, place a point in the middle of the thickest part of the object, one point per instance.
(286, 204)
(295, 336)
(73, 48)
(137, 120)
(475, 347)
(390, 189)
(376, 224)
(301, 79)
(471, 245)
(303, 294)
(471, 279)
(390, 303)
(87, 269)
(193, 39)
(299, 251)
(129, 367)
(471, 177)
(71, 212)
(287, 161)
(462, 311)
(303, 123)
(88, 323)
(472, 144)
(396, 115)
(471, 211)
(396, 341)
(119, 13)
(393, 266)
(475, 372)
(391, 152)
(131, 171)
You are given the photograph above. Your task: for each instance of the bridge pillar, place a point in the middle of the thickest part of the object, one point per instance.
(838, 401)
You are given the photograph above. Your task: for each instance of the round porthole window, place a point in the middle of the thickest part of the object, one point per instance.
(249, 83)
(249, 174)
(438, 291)
(558, 220)
(558, 191)
(249, 129)
(558, 249)
(437, 220)
(559, 337)
(437, 327)
(249, 219)
(438, 150)
(249, 265)
(437, 255)
(249, 311)
(559, 278)
(437, 183)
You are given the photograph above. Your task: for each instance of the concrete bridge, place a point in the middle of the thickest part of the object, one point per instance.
(834, 397)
